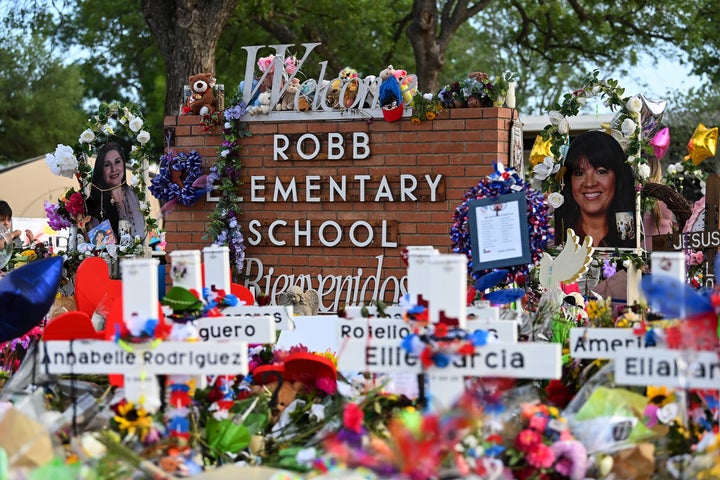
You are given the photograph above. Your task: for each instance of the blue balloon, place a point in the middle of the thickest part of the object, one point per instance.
(26, 295)
(673, 298)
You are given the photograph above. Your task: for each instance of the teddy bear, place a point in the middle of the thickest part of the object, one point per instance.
(264, 104)
(287, 102)
(286, 393)
(202, 99)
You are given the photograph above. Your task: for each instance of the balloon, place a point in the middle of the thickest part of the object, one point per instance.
(702, 144)
(672, 297)
(6, 247)
(26, 295)
(650, 115)
(660, 142)
(540, 150)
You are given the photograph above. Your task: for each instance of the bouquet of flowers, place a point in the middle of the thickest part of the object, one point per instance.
(69, 211)
(544, 447)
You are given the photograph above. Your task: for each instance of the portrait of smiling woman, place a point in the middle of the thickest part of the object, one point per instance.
(111, 197)
(599, 192)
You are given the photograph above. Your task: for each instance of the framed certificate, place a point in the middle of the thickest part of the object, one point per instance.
(499, 231)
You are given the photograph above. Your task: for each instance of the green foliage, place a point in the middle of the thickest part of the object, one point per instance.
(42, 99)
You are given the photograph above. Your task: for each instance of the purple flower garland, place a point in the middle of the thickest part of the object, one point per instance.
(503, 182)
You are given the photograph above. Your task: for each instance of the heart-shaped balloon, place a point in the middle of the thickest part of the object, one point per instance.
(702, 144)
(661, 142)
(26, 295)
(93, 285)
(71, 326)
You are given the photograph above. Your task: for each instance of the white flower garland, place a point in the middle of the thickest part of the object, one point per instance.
(625, 127)
(73, 162)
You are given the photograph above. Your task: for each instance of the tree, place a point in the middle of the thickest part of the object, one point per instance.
(42, 106)
(187, 33)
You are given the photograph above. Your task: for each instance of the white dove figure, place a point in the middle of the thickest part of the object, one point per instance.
(570, 263)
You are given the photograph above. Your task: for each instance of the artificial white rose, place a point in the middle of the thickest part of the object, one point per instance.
(644, 171)
(555, 200)
(564, 126)
(318, 411)
(135, 124)
(634, 105)
(108, 129)
(679, 167)
(63, 162)
(428, 96)
(555, 117)
(88, 136)
(546, 168)
(143, 137)
(628, 127)
(672, 169)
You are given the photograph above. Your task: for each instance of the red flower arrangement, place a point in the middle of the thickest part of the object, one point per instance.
(545, 448)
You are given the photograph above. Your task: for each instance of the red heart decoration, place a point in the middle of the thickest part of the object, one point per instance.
(93, 284)
(71, 326)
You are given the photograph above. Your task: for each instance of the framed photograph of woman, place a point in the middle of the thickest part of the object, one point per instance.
(599, 192)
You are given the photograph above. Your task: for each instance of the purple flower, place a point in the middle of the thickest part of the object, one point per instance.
(56, 221)
(571, 459)
(609, 269)
(235, 112)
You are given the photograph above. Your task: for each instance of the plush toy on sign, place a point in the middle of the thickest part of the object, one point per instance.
(202, 98)
(287, 102)
(391, 99)
(263, 105)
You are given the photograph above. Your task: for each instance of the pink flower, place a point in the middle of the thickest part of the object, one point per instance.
(527, 439)
(540, 456)
(538, 423)
(353, 417)
(265, 62)
(571, 459)
(290, 65)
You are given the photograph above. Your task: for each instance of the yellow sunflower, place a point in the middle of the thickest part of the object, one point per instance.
(133, 420)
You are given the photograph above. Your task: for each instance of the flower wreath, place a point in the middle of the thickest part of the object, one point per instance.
(180, 180)
(503, 182)
(101, 128)
(549, 170)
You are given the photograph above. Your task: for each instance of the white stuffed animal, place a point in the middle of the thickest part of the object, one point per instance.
(264, 107)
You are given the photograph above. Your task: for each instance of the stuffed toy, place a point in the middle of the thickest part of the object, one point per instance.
(391, 99)
(264, 104)
(286, 393)
(287, 102)
(307, 95)
(202, 98)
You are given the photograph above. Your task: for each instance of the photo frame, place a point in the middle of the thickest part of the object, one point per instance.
(517, 147)
(102, 235)
(499, 231)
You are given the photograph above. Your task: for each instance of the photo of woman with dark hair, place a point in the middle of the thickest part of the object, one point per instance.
(110, 196)
(599, 191)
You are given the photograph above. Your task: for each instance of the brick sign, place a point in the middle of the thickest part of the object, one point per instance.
(330, 198)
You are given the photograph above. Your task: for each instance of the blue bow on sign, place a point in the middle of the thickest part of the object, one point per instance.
(26, 295)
